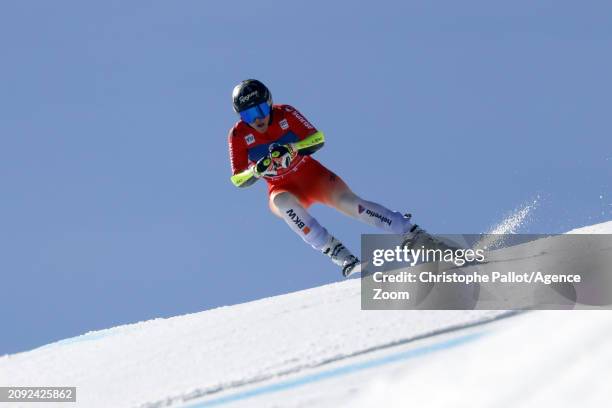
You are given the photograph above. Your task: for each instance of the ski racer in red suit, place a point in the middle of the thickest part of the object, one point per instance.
(275, 142)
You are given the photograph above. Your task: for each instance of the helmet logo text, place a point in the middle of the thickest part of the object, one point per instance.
(246, 98)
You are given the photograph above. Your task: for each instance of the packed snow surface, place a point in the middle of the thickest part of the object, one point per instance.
(316, 347)
(542, 359)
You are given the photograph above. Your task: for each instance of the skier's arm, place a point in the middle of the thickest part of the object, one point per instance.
(245, 178)
(311, 139)
(283, 155)
(310, 144)
(264, 167)
(242, 174)
(306, 146)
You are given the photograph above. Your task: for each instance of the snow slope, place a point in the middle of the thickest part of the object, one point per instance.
(221, 349)
(542, 359)
(314, 348)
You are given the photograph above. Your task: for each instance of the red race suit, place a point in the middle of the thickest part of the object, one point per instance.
(307, 179)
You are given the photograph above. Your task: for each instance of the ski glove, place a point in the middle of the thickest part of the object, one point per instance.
(265, 167)
(282, 155)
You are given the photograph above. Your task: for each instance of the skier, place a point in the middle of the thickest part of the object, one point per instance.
(275, 142)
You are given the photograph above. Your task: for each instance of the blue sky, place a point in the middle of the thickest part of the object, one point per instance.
(116, 202)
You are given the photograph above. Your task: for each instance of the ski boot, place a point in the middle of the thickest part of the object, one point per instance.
(417, 238)
(341, 256)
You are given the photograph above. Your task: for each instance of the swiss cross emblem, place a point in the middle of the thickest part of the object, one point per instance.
(250, 139)
(284, 124)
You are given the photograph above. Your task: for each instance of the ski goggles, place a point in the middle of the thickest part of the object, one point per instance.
(258, 111)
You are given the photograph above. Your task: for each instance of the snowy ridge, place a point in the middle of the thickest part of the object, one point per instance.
(308, 348)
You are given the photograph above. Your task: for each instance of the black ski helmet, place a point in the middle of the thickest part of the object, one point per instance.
(249, 93)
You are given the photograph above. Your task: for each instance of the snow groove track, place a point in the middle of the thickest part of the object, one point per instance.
(236, 385)
(332, 372)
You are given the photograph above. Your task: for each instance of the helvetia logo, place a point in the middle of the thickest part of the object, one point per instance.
(301, 225)
(375, 215)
